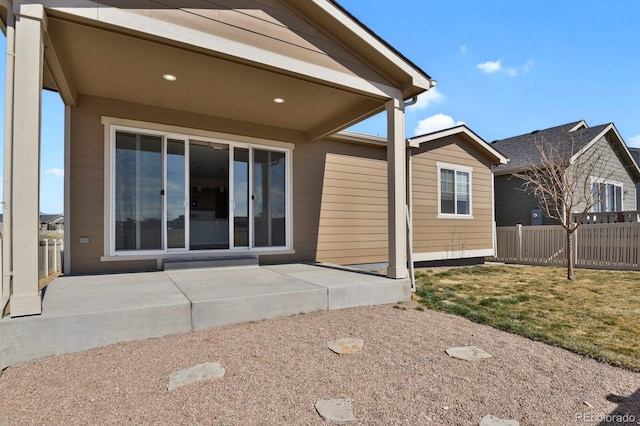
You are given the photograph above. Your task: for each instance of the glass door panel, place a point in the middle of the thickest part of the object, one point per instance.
(138, 192)
(269, 198)
(241, 197)
(209, 196)
(176, 194)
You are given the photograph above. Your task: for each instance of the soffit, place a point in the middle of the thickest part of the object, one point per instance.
(106, 63)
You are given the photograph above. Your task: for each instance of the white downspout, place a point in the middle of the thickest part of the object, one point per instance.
(7, 203)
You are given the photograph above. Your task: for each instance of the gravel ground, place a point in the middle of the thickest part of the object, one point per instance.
(276, 370)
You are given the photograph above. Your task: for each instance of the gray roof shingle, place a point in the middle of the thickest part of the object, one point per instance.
(523, 152)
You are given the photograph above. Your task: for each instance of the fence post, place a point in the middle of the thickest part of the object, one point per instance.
(575, 246)
(55, 256)
(46, 257)
(637, 234)
(518, 243)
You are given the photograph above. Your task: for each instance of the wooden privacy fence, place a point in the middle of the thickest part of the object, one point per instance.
(601, 246)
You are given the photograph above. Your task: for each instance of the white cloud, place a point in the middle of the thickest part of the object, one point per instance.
(527, 67)
(55, 172)
(463, 49)
(496, 66)
(426, 98)
(490, 66)
(435, 123)
(634, 142)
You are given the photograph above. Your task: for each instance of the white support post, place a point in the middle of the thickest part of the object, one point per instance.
(397, 187)
(30, 27)
(8, 159)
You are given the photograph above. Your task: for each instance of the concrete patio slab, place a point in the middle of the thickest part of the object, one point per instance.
(84, 312)
(233, 295)
(349, 288)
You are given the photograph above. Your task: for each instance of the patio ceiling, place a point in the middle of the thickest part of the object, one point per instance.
(102, 62)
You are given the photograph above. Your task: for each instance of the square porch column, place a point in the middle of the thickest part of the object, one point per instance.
(29, 31)
(397, 187)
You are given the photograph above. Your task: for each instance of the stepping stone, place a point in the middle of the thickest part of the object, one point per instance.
(198, 373)
(468, 353)
(346, 346)
(490, 420)
(337, 411)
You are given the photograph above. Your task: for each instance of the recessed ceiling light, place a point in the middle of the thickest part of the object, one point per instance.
(278, 100)
(170, 77)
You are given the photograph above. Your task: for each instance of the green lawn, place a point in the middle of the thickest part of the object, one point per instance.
(597, 314)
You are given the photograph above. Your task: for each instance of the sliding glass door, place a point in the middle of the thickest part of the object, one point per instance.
(176, 194)
(138, 192)
(179, 194)
(269, 204)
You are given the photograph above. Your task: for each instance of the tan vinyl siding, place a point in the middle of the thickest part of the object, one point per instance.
(268, 24)
(432, 234)
(340, 204)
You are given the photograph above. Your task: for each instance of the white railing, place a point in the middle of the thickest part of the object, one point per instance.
(49, 257)
(609, 217)
(602, 246)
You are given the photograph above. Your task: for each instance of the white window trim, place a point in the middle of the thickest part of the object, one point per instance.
(112, 125)
(455, 168)
(608, 182)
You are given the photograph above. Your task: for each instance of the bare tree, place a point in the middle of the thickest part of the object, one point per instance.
(561, 179)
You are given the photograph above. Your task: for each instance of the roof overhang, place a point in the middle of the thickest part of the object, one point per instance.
(120, 50)
(465, 133)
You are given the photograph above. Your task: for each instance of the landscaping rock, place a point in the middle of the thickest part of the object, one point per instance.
(346, 346)
(490, 420)
(338, 411)
(468, 353)
(198, 373)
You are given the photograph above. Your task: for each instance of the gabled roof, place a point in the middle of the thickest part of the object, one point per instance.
(467, 134)
(51, 218)
(572, 139)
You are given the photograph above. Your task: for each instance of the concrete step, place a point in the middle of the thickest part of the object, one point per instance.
(209, 262)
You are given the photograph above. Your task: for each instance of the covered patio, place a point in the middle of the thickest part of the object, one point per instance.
(262, 84)
(84, 312)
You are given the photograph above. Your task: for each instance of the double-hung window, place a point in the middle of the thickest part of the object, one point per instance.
(454, 191)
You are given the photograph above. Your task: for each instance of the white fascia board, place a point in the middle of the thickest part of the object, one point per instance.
(478, 141)
(243, 52)
(580, 125)
(418, 79)
(591, 143)
(621, 142)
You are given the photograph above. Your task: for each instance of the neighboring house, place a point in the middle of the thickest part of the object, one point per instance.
(635, 152)
(614, 186)
(452, 199)
(51, 222)
(206, 132)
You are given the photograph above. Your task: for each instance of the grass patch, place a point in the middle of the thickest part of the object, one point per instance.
(597, 314)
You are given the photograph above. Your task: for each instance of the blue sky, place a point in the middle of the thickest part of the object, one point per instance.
(503, 67)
